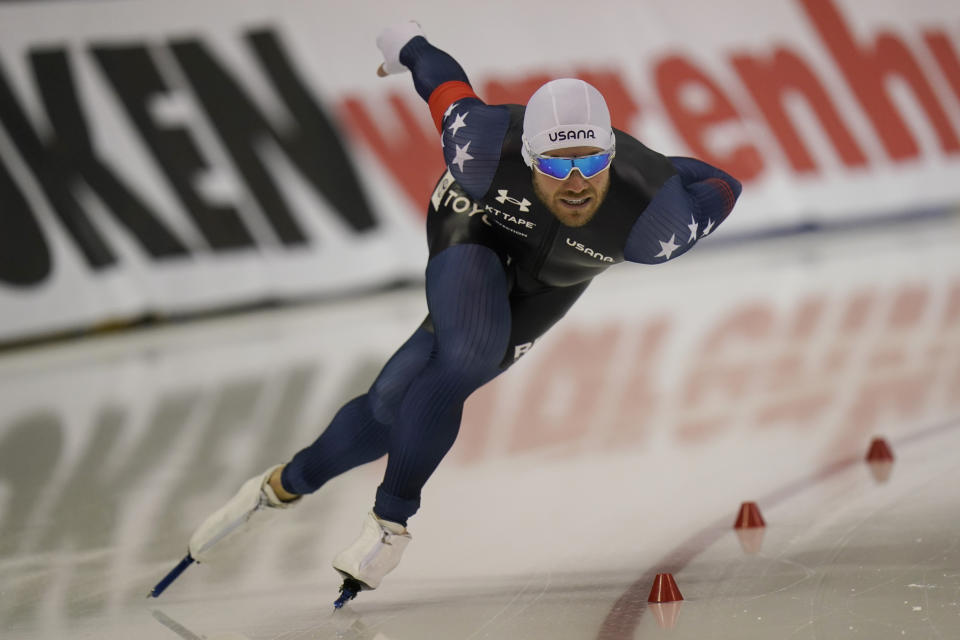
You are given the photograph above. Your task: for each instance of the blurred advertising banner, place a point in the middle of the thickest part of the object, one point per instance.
(161, 158)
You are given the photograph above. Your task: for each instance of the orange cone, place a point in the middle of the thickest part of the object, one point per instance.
(749, 517)
(880, 459)
(665, 589)
(879, 451)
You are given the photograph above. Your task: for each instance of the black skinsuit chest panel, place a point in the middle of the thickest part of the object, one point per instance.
(512, 221)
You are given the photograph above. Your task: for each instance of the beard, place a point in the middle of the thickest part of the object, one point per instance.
(572, 216)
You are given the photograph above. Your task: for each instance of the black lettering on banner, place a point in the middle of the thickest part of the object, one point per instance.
(136, 80)
(312, 144)
(24, 255)
(53, 177)
(68, 157)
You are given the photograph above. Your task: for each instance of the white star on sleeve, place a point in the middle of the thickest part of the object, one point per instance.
(667, 248)
(693, 229)
(462, 156)
(461, 121)
(707, 229)
(449, 109)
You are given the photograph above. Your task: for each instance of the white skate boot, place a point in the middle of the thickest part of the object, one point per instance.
(372, 556)
(252, 505)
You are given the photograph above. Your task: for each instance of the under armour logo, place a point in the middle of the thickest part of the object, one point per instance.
(504, 197)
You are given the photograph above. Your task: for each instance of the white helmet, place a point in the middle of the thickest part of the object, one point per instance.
(566, 112)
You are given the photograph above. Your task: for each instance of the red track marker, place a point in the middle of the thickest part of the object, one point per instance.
(749, 517)
(879, 451)
(664, 589)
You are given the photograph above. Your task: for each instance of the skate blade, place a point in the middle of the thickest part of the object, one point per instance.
(170, 577)
(348, 591)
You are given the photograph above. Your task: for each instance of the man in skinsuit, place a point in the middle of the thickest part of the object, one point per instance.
(536, 201)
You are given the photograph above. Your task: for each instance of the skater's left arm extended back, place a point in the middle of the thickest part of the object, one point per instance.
(470, 129)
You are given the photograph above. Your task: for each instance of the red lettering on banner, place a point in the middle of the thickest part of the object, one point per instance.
(906, 312)
(571, 376)
(807, 319)
(798, 409)
(675, 76)
(837, 359)
(516, 91)
(769, 80)
(787, 365)
(909, 306)
(859, 308)
(725, 357)
(946, 56)
(725, 368)
(410, 150)
(799, 385)
(623, 107)
(796, 391)
(866, 71)
(945, 344)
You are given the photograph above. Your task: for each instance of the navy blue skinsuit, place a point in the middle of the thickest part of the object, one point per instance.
(502, 270)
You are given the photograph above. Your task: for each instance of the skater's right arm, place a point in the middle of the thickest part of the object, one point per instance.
(472, 131)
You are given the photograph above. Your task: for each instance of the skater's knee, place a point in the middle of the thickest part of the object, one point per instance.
(471, 357)
(384, 401)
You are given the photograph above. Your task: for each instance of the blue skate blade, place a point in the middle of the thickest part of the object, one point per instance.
(345, 596)
(348, 591)
(170, 577)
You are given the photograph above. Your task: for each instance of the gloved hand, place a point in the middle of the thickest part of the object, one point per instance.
(391, 40)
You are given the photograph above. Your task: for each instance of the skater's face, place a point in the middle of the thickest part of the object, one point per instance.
(573, 200)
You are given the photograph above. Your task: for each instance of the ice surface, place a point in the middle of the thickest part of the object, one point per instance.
(621, 447)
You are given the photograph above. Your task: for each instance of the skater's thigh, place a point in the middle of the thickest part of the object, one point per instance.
(468, 295)
(534, 312)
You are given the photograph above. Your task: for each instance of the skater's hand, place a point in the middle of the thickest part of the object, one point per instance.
(390, 41)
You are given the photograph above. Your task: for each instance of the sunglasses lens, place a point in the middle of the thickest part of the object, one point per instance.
(592, 165)
(560, 168)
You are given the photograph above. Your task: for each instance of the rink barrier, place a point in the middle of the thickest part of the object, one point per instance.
(165, 161)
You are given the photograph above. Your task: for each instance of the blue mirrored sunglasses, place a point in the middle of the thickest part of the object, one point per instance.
(560, 168)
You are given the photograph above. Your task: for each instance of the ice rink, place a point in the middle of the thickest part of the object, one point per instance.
(620, 447)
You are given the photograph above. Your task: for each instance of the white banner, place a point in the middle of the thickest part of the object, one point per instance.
(176, 156)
